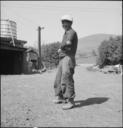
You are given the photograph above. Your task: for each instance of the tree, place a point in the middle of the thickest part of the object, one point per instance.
(50, 54)
(110, 52)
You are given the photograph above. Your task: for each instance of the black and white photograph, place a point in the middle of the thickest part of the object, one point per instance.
(61, 63)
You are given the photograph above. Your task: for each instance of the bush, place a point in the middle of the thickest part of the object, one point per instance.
(50, 55)
(110, 52)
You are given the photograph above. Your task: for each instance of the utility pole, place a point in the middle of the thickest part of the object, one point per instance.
(39, 45)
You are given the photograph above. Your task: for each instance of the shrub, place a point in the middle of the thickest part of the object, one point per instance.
(50, 55)
(110, 52)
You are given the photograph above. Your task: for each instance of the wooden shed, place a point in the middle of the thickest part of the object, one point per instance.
(12, 56)
(32, 60)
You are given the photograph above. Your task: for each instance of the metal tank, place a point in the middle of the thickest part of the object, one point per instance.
(8, 29)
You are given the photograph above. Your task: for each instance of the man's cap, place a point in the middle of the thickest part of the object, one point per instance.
(67, 17)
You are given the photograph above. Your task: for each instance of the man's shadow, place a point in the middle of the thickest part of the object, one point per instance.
(90, 101)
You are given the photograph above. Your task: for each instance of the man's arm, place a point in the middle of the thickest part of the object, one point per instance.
(68, 43)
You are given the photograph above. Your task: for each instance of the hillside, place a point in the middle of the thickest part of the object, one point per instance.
(88, 43)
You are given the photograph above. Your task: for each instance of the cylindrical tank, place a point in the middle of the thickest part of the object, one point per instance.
(8, 29)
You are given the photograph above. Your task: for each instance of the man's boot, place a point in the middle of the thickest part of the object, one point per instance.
(59, 100)
(70, 104)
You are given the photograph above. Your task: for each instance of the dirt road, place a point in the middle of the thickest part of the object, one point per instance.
(26, 100)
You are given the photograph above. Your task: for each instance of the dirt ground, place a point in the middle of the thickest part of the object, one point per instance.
(26, 101)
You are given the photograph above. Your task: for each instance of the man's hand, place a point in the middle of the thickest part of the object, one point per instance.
(59, 50)
(68, 42)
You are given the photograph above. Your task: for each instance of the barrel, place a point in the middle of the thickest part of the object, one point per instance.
(8, 29)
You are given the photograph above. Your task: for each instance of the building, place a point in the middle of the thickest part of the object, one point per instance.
(32, 60)
(12, 56)
(15, 58)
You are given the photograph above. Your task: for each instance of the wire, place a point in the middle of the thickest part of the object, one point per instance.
(29, 21)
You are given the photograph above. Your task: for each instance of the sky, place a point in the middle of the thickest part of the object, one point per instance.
(89, 17)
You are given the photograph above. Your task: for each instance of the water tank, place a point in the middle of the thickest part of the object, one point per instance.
(8, 29)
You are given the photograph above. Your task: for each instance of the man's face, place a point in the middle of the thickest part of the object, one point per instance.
(66, 25)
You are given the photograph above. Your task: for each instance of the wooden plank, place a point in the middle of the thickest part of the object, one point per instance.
(5, 47)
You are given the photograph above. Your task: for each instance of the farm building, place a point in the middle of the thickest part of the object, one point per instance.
(32, 60)
(12, 57)
(15, 58)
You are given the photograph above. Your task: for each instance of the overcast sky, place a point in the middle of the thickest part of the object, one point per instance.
(90, 17)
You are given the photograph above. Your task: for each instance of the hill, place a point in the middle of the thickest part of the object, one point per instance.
(89, 44)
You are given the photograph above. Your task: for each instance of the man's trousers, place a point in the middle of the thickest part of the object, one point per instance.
(64, 83)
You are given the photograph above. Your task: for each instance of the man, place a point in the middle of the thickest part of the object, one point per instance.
(64, 83)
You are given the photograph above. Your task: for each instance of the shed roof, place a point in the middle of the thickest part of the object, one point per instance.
(5, 44)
